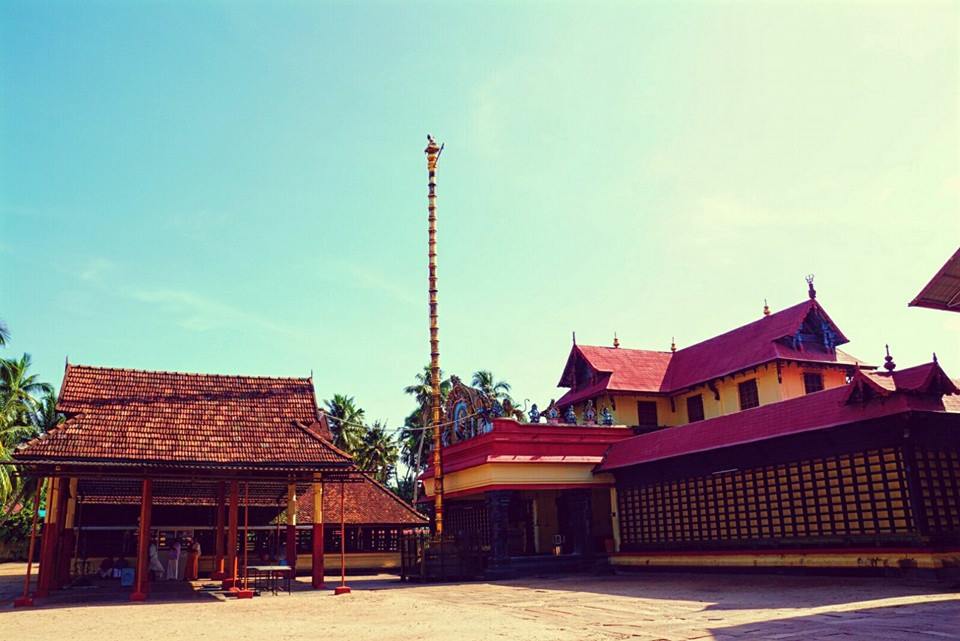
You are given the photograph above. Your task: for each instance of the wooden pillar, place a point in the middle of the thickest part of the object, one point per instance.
(142, 580)
(317, 556)
(343, 588)
(48, 545)
(292, 526)
(230, 572)
(218, 572)
(245, 592)
(25, 600)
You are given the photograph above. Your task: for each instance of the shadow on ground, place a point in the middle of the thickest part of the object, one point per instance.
(891, 623)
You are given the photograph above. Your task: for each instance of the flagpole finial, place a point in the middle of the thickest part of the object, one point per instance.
(811, 292)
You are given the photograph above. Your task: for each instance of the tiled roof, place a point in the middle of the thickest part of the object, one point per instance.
(636, 370)
(366, 502)
(132, 415)
(943, 290)
(821, 410)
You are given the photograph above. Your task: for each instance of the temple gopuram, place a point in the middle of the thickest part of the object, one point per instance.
(766, 446)
(242, 465)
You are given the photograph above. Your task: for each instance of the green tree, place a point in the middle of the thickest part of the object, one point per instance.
(417, 432)
(346, 423)
(4, 334)
(484, 381)
(378, 452)
(27, 408)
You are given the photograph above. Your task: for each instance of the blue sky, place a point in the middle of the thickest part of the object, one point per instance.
(240, 187)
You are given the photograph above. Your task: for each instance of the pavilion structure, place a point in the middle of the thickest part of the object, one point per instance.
(188, 450)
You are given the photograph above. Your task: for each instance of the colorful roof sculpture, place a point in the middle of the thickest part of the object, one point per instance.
(143, 417)
(923, 388)
(943, 290)
(803, 332)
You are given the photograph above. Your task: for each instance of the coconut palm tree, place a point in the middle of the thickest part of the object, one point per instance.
(347, 425)
(27, 407)
(379, 452)
(4, 333)
(417, 432)
(484, 381)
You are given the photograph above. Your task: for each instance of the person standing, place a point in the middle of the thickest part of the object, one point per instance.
(156, 568)
(173, 561)
(193, 560)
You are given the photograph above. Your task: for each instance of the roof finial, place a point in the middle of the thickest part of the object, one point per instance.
(935, 357)
(766, 308)
(673, 343)
(888, 364)
(574, 337)
(616, 341)
(811, 292)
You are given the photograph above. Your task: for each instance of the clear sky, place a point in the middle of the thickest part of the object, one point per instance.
(241, 187)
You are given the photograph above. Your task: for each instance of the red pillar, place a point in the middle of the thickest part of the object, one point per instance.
(317, 551)
(142, 580)
(230, 572)
(218, 572)
(46, 579)
(25, 599)
(292, 527)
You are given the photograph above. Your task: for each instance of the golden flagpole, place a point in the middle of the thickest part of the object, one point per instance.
(433, 153)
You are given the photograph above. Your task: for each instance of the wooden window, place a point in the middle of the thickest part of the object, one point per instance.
(647, 414)
(749, 397)
(812, 382)
(695, 408)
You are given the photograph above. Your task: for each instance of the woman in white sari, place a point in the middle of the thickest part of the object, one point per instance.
(173, 561)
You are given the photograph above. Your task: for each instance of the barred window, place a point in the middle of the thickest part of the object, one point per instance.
(647, 414)
(812, 382)
(749, 396)
(695, 408)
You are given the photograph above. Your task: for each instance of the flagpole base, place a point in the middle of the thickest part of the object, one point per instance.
(341, 589)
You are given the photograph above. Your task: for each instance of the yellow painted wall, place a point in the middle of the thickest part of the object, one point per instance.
(838, 559)
(475, 478)
(770, 390)
(793, 378)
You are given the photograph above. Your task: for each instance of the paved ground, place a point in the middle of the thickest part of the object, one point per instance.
(644, 606)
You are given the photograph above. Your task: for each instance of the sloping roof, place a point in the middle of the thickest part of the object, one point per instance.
(365, 502)
(124, 415)
(758, 342)
(817, 411)
(943, 290)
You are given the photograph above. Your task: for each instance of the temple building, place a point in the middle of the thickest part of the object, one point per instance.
(765, 446)
(244, 465)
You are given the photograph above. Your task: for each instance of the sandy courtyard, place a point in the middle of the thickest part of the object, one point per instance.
(645, 606)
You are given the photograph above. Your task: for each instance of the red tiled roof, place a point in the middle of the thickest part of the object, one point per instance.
(366, 502)
(821, 410)
(943, 290)
(167, 417)
(635, 370)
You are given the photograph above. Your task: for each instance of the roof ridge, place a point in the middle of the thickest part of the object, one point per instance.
(393, 495)
(46, 433)
(324, 441)
(101, 368)
(762, 319)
